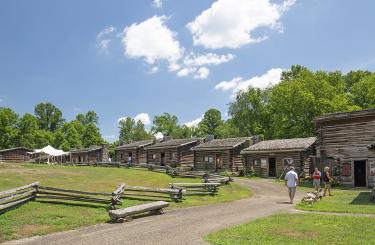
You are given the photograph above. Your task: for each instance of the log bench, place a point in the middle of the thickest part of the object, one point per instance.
(125, 214)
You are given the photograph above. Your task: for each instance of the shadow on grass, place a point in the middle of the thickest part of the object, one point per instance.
(363, 198)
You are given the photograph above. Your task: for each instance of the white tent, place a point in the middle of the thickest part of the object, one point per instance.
(50, 152)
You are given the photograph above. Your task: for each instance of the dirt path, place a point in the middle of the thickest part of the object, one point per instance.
(180, 226)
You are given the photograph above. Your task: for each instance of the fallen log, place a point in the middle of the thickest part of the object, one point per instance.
(125, 214)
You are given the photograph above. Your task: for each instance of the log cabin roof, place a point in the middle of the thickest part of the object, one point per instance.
(297, 144)
(15, 148)
(345, 115)
(221, 144)
(88, 149)
(173, 143)
(135, 145)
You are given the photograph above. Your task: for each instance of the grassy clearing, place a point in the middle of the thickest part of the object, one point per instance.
(299, 229)
(344, 201)
(36, 218)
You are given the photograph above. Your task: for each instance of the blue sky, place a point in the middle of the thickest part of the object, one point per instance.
(122, 58)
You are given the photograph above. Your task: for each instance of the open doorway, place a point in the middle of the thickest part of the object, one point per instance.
(218, 163)
(162, 159)
(272, 167)
(130, 158)
(360, 173)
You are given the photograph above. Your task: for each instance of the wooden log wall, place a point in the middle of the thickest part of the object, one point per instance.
(16, 155)
(279, 156)
(201, 165)
(343, 142)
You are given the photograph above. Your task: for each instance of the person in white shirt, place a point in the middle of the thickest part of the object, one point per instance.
(291, 181)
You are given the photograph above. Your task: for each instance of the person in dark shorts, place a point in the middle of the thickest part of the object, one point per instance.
(327, 179)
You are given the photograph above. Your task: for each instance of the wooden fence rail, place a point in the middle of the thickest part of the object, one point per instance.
(148, 193)
(46, 193)
(13, 198)
(197, 188)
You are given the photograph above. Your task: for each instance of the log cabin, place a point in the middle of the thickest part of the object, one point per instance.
(133, 152)
(270, 158)
(172, 152)
(91, 154)
(17, 154)
(346, 144)
(220, 154)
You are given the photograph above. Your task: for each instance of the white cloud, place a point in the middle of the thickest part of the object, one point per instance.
(157, 3)
(193, 64)
(158, 135)
(229, 24)
(154, 69)
(143, 117)
(152, 40)
(237, 84)
(1, 100)
(110, 138)
(202, 73)
(207, 59)
(76, 109)
(103, 38)
(183, 72)
(194, 123)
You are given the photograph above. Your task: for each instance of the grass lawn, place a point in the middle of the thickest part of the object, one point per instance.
(343, 201)
(299, 229)
(36, 218)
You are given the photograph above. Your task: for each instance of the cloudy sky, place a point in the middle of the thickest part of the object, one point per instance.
(142, 58)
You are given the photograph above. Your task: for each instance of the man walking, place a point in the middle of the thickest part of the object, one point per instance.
(291, 181)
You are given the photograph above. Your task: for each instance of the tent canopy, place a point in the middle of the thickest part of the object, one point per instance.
(49, 150)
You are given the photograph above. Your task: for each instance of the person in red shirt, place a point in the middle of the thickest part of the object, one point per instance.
(316, 179)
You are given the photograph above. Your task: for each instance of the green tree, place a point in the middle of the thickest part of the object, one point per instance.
(89, 117)
(126, 129)
(132, 131)
(49, 116)
(300, 97)
(43, 138)
(250, 113)
(140, 133)
(91, 136)
(166, 124)
(8, 127)
(227, 130)
(210, 122)
(363, 92)
(27, 127)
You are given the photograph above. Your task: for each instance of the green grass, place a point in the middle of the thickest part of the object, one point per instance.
(299, 229)
(35, 218)
(343, 201)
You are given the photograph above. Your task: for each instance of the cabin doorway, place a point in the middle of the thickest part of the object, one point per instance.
(272, 167)
(162, 159)
(218, 162)
(130, 157)
(360, 173)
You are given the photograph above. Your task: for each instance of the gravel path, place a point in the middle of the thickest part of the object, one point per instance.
(180, 226)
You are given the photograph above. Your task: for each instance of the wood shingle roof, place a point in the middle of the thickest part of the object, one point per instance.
(297, 144)
(221, 144)
(135, 144)
(173, 143)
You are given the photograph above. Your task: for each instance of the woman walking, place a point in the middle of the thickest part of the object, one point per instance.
(327, 181)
